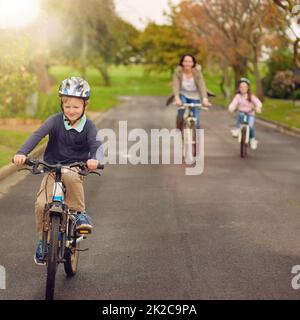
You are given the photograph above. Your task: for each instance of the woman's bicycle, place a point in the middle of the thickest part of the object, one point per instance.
(189, 131)
(61, 240)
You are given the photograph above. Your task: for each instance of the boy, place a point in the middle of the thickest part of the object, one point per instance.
(72, 137)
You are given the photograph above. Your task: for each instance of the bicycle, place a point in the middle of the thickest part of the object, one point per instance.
(60, 239)
(244, 135)
(189, 130)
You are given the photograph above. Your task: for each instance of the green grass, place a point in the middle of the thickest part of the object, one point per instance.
(10, 141)
(125, 81)
(282, 111)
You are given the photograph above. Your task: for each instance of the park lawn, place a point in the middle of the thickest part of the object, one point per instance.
(125, 81)
(281, 111)
(10, 141)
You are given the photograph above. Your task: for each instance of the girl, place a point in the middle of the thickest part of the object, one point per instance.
(245, 102)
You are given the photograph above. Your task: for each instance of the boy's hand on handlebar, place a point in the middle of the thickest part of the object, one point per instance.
(92, 164)
(19, 159)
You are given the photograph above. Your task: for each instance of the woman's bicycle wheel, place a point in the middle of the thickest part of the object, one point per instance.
(243, 142)
(72, 252)
(52, 261)
(190, 144)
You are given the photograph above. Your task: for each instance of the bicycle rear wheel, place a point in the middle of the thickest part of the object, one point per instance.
(243, 143)
(52, 261)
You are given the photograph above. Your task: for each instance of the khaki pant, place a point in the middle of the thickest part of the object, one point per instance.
(74, 198)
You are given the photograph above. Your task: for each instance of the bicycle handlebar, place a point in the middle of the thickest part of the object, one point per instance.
(82, 165)
(192, 105)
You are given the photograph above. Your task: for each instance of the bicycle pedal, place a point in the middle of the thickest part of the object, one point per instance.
(84, 231)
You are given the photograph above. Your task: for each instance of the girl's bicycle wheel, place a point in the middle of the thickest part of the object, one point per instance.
(243, 143)
(72, 252)
(52, 261)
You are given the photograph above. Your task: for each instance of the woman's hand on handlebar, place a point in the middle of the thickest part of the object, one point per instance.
(178, 102)
(206, 103)
(19, 159)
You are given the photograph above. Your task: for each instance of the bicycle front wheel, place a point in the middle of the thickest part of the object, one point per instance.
(190, 144)
(243, 143)
(52, 261)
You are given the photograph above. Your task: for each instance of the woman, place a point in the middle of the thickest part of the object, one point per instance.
(188, 87)
(245, 102)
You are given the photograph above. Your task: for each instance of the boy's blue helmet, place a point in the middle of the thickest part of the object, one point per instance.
(75, 87)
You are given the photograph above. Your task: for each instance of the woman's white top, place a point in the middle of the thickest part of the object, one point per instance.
(189, 88)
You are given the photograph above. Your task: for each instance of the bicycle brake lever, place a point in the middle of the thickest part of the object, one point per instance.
(95, 172)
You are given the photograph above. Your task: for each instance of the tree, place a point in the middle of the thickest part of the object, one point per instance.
(288, 12)
(160, 47)
(91, 34)
(234, 31)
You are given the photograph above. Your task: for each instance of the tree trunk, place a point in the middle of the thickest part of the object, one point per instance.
(226, 81)
(41, 70)
(295, 56)
(104, 73)
(258, 81)
(240, 71)
(84, 51)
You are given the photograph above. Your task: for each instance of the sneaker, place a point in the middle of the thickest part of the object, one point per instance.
(83, 222)
(235, 132)
(253, 144)
(38, 254)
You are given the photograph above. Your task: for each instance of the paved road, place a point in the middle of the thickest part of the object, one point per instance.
(231, 233)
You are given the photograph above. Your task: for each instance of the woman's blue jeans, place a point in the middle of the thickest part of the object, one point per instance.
(180, 112)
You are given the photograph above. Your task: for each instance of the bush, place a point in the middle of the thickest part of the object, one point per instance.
(281, 60)
(283, 85)
(17, 81)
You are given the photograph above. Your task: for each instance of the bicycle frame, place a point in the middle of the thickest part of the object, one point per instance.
(189, 131)
(245, 124)
(58, 207)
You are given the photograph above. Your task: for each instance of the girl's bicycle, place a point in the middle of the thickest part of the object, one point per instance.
(244, 135)
(61, 240)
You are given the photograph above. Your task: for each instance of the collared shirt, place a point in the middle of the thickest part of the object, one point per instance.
(79, 127)
(66, 146)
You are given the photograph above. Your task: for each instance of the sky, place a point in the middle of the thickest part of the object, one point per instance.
(139, 12)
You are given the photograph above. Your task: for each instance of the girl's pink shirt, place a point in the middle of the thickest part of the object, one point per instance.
(241, 102)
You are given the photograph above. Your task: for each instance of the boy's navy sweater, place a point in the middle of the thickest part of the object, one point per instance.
(65, 146)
